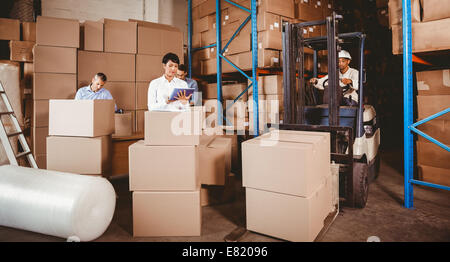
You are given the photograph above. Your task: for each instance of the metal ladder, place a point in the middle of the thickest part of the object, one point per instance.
(4, 136)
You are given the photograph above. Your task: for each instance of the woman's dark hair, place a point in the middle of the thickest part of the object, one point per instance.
(182, 67)
(101, 76)
(171, 57)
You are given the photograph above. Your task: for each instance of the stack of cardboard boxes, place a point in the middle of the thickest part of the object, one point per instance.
(165, 175)
(80, 136)
(433, 97)
(430, 23)
(55, 73)
(288, 181)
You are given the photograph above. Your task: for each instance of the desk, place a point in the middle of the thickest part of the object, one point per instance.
(119, 158)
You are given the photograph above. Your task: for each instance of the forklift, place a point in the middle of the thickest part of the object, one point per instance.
(354, 132)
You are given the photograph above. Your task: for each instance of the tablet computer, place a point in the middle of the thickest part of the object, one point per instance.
(186, 91)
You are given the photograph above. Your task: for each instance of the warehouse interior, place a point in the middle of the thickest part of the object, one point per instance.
(222, 183)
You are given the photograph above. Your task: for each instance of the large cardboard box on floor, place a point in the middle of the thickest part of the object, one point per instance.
(436, 128)
(440, 176)
(93, 36)
(288, 217)
(117, 67)
(85, 118)
(29, 31)
(215, 158)
(61, 32)
(123, 124)
(120, 36)
(430, 105)
(173, 128)
(54, 86)
(436, 82)
(430, 154)
(300, 160)
(21, 51)
(163, 168)
(9, 29)
(166, 214)
(435, 10)
(79, 155)
(49, 59)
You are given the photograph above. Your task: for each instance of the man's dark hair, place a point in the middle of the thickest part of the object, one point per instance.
(101, 76)
(182, 67)
(171, 57)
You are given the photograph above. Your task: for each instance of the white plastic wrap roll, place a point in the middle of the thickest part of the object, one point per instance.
(55, 203)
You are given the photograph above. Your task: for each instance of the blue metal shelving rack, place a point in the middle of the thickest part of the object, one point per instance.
(408, 105)
(220, 57)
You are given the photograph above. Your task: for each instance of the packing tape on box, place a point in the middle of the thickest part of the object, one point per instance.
(74, 207)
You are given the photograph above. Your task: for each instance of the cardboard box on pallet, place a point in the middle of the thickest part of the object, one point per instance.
(86, 118)
(435, 10)
(173, 128)
(21, 51)
(49, 59)
(60, 32)
(164, 174)
(166, 214)
(54, 86)
(9, 29)
(273, 154)
(396, 15)
(436, 82)
(117, 67)
(430, 154)
(79, 155)
(123, 124)
(93, 36)
(440, 176)
(430, 105)
(120, 36)
(215, 158)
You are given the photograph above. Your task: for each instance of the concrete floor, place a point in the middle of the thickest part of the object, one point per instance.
(383, 217)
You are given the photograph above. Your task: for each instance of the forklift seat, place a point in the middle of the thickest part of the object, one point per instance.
(318, 115)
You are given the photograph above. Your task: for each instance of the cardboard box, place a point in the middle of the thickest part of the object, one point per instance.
(41, 161)
(204, 24)
(54, 86)
(430, 105)
(86, 118)
(140, 121)
(123, 124)
(436, 82)
(229, 91)
(430, 154)
(79, 155)
(308, 12)
(21, 51)
(173, 128)
(288, 217)
(215, 158)
(396, 15)
(153, 168)
(49, 59)
(327, 7)
(39, 140)
(61, 32)
(270, 40)
(166, 214)
(207, 8)
(440, 176)
(268, 21)
(28, 72)
(264, 157)
(124, 94)
(29, 31)
(93, 36)
(120, 36)
(266, 58)
(40, 113)
(149, 40)
(436, 128)
(217, 195)
(435, 10)
(196, 40)
(283, 8)
(148, 67)
(428, 36)
(240, 44)
(196, 3)
(142, 95)
(269, 85)
(9, 29)
(117, 67)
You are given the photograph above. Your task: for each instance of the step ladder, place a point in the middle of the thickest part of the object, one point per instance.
(4, 136)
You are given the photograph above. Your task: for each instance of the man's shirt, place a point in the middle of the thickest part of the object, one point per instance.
(195, 97)
(160, 90)
(352, 74)
(85, 93)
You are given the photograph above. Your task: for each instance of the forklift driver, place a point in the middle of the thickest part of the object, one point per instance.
(348, 80)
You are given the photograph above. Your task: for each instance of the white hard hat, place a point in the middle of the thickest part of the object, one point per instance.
(345, 54)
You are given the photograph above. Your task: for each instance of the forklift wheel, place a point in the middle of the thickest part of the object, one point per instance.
(360, 184)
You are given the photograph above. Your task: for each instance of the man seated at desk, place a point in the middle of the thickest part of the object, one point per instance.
(160, 89)
(95, 90)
